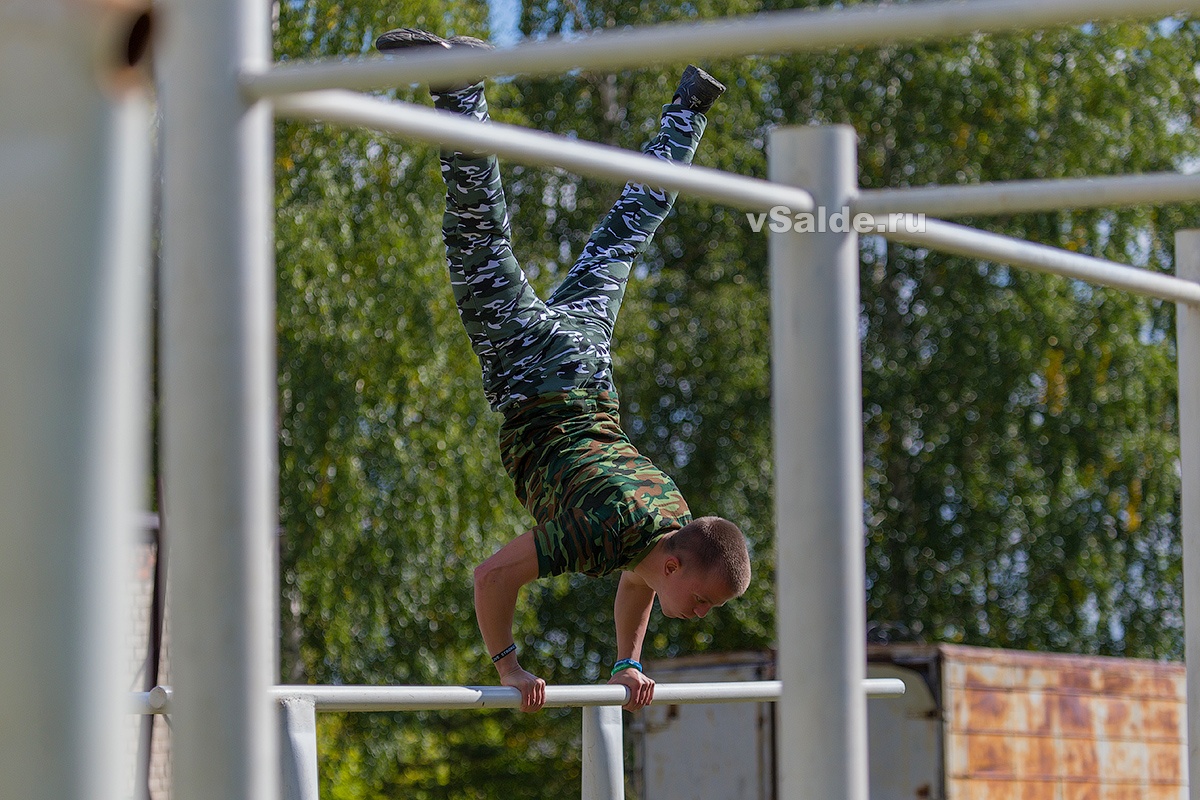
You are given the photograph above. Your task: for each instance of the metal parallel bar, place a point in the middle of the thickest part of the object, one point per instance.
(533, 147)
(433, 698)
(602, 161)
(821, 747)
(970, 242)
(773, 32)
(219, 383)
(1187, 338)
(1014, 197)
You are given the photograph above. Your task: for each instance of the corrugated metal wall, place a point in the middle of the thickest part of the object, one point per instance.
(1035, 726)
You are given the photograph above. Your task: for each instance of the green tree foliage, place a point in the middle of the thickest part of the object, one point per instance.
(1020, 430)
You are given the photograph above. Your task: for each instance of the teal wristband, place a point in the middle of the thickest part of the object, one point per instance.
(626, 663)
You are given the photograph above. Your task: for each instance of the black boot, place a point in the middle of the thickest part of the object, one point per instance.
(404, 38)
(697, 90)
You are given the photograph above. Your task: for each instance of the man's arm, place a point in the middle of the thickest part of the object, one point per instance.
(635, 599)
(497, 582)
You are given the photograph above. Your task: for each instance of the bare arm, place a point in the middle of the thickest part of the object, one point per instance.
(631, 612)
(497, 583)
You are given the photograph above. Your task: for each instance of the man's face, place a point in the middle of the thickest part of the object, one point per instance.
(692, 594)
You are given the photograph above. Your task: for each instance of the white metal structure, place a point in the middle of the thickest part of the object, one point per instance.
(1013, 197)
(70, 354)
(519, 144)
(218, 388)
(820, 577)
(777, 32)
(603, 753)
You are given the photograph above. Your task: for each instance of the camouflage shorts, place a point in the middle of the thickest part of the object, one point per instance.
(526, 346)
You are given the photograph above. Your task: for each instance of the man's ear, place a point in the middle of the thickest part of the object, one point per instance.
(671, 565)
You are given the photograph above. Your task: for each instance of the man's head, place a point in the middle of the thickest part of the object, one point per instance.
(707, 564)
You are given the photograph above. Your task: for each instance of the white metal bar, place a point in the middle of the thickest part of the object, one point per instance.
(816, 395)
(433, 698)
(1187, 338)
(612, 163)
(74, 249)
(533, 147)
(1013, 197)
(973, 243)
(429, 698)
(603, 754)
(219, 385)
(775, 32)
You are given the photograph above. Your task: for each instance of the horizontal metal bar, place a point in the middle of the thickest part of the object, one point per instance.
(1013, 197)
(772, 32)
(973, 243)
(432, 698)
(533, 147)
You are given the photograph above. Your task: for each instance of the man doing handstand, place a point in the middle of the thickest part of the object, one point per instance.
(600, 506)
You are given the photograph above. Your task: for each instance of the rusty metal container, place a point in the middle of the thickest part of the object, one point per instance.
(1037, 726)
(975, 724)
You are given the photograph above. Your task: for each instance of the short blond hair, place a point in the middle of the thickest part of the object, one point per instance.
(716, 546)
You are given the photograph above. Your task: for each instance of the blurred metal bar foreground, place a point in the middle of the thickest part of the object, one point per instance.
(773, 32)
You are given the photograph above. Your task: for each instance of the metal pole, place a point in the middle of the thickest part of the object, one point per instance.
(603, 757)
(817, 408)
(775, 32)
(1013, 197)
(533, 147)
(74, 245)
(218, 408)
(298, 747)
(1187, 338)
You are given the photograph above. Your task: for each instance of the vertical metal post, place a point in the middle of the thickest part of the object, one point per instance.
(1187, 338)
(298, 747)
(817, 408)
(74, 247)
(603, 755)
(218, 372)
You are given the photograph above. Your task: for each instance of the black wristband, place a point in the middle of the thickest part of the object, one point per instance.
(512, 648)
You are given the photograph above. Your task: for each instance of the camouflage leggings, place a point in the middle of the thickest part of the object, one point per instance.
(525, 346)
